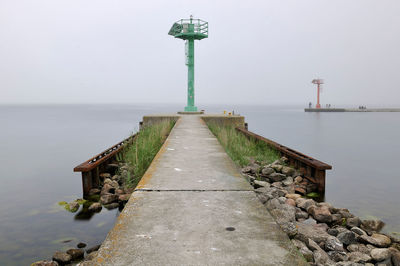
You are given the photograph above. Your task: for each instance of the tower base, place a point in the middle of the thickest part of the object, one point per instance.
(190, 109)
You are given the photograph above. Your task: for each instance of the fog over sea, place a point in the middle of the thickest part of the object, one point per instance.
(41, 144)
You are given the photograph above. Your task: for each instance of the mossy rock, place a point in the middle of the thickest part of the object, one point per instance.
(313, 195)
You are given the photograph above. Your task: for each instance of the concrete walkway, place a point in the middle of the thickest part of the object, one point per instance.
(193, 207)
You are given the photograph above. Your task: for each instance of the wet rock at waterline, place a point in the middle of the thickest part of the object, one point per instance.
(45, 263)
(372, 226)
(73, 206)
(111, 206)
(108, 199)
(75, 253)
(92, 249)
(81, 245)
(94, 191)
(95, 207)
(62, 257)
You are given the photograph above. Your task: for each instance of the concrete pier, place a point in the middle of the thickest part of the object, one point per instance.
(333, 110)
(192, 207)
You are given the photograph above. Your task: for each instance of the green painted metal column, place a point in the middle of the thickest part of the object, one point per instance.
(190, 30)
(190, 62)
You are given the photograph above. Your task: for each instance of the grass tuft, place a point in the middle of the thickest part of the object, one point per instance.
(144, 148)
(241, 149)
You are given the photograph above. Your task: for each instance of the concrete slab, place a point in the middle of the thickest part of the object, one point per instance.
(193, 160)
(190, 228)
(192, 207)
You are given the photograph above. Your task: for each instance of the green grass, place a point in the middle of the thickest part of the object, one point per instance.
(140, 153)
(241, 149)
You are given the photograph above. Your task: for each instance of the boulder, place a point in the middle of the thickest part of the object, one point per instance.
(305, 203)
(258, 184)
(111, 206)
(359, 257)
(273, 204)
(320, 256)
(300, 190)
(107, 189)
(92, 249)
(116, 178)
(347, 237)
(360, 248)
(284, 212)
(81, 245)
(45, 263)
(76, 253)
(288, 181)
(252, 168)
(264, 198)
(293, 196)
(353, 222)
(333, 244)
(377, 240)
(286, 170)
(372, 226)
(338, 256)
(94, 191)
(380, 254)
(124, 197)
(277, 184)
(290, 202)
(108, 198)
(90, 256)
(119, 191)
(62, 257)
(73, 206)
(336, 218)
(358, 231)
(105, 176)
(298, 179)
(307, 253)
(305, 232)
(95, 207)
(350, 263)
(114, 184)
(266, 171)
(301, 214)
(321, 214)
(277, 177)
(277, 167)
(395, 256)
(387, 262)
(309, 221)
(333, 231)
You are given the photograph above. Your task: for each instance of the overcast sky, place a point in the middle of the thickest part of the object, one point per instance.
(261, 52)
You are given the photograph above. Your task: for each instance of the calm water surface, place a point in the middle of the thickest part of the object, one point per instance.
(41, 144)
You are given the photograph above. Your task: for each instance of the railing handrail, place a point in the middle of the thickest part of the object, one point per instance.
(98, 159)
(290, 152)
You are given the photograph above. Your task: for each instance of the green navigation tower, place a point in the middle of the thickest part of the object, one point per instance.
(190, 30)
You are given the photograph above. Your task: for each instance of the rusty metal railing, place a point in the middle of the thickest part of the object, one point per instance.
(311, 168)
(91, 168)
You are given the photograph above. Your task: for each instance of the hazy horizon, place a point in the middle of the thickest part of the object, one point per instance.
(258, 52)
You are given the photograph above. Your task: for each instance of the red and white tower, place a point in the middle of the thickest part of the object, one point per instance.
(318, 82)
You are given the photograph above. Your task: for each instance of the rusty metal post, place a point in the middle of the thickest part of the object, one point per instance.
(95, 178)
(86, 182)
(320, 180)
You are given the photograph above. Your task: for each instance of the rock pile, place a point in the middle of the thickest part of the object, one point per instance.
(323, 234)
(112, 193)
